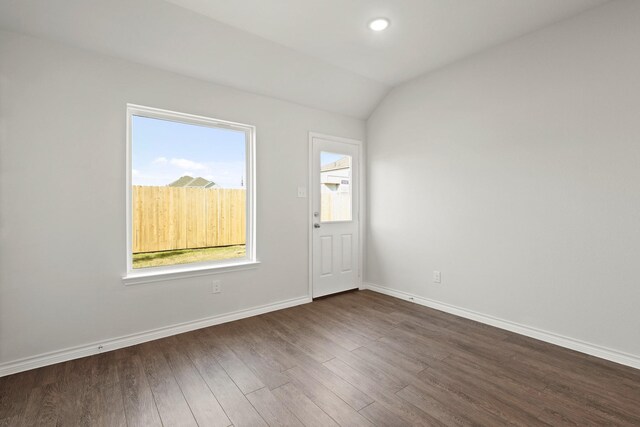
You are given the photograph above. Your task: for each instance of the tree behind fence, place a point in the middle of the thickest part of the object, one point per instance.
(167, 218)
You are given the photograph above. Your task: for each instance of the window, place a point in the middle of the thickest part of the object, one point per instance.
(190, 192)
(335, 187)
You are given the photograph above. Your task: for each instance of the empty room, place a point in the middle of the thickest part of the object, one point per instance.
(319, 213)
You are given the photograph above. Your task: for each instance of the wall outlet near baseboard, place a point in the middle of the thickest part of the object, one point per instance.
(437, 276)
(216, 287)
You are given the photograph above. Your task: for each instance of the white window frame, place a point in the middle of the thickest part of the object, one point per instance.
(152, 274)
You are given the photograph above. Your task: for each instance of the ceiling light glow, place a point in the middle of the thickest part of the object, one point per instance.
(379, 24)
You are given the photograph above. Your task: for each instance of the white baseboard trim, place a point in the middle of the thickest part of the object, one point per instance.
(550, 337)
(51, 358)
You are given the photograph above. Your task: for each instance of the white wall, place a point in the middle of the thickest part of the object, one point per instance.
(62, 198)
(517, 174)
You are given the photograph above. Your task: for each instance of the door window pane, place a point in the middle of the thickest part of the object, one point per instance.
(335, 187)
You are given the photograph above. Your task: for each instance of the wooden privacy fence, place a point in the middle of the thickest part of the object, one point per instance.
(335, 206)
(167, 218)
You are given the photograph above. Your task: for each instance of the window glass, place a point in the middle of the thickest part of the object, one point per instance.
(188, 192)
(335, 187)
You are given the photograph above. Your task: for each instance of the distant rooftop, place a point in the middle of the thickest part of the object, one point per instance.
(191, 182)
(343, 163)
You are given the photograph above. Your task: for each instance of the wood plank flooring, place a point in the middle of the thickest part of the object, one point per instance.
(355, 359)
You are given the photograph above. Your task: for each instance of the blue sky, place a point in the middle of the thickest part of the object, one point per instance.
(163, 151)
(327, 157)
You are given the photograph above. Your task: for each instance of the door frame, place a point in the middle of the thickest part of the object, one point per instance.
(361, 202)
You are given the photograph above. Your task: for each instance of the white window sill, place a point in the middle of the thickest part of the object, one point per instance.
(178, 272)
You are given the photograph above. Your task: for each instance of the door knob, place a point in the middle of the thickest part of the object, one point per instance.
(316, 225)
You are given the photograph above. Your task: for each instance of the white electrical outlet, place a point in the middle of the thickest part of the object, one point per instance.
(216, 287)
(302, 192)
(437, 277)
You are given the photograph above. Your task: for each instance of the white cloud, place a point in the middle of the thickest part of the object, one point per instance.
(187, 164)
(135, 172)
(160, 161)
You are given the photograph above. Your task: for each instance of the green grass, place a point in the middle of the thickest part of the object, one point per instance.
(186, 256)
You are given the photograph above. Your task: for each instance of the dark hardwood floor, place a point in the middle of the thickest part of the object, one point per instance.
(358, 358)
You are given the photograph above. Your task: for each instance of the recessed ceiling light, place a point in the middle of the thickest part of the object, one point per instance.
(379, 24)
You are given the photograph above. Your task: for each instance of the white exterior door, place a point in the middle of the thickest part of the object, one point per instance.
(335, 203)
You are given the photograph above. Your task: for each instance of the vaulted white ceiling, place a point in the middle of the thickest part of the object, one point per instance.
(424, 34)
(317, 53)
